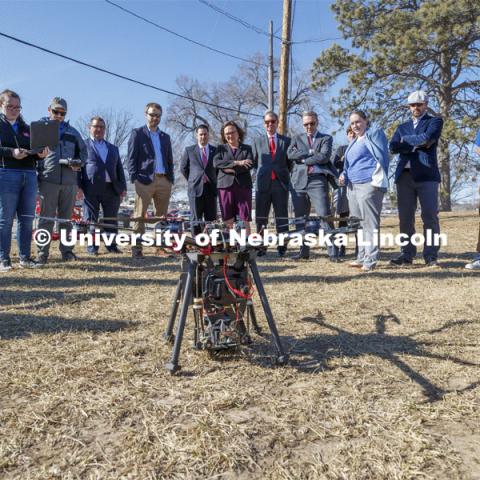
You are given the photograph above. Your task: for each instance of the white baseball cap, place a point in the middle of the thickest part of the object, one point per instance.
(419, 96)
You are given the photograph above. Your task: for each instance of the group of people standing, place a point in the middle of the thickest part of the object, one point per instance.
(300, 167)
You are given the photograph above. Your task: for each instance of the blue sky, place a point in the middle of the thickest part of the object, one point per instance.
(98, 33)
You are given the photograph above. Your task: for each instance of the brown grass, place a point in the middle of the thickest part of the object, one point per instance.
(383, 381)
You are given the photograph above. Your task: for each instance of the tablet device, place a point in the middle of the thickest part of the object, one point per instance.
(44, 133)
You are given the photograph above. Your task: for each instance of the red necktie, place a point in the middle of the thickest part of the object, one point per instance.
(205, 162)
(272, 153)
(310, 143)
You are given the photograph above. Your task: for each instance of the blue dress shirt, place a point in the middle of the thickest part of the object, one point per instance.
(155, 137)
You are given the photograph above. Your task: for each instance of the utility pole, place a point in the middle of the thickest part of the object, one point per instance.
(284, 65)
(271, 72)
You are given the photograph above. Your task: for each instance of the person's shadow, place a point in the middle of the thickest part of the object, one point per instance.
(311, 354)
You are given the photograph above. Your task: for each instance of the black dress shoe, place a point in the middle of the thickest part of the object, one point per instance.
(334, 259)
(298, 257)
(69, 257)
(261, 253)
(114, 249)
(137, 254)
(399, 261)
(281, 251)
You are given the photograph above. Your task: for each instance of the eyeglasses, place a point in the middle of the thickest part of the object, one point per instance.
(154, 115)
(310, 124)
(59, 112)
(14, 108)
(98, 126)
(416, 104)
(267, 122)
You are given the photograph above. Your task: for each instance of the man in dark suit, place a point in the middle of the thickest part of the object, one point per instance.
(311, 175)
(150, 166)
(272, 166)
(102, 180)
(197, 167)
(417, 176)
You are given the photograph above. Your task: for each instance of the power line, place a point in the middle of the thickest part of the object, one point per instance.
(315, 40)
(261, 31)
(124, 77)
(129, 12)
(238, 20)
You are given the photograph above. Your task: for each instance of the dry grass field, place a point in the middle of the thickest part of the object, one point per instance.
(383, 382)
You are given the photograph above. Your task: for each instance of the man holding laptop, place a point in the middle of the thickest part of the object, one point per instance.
(57, 178)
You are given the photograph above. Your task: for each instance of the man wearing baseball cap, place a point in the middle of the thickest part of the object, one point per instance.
(417, 176)
(57, 178)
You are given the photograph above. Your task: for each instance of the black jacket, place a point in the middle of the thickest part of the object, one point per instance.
(224, 159)
(264, 164)
(339, 159)
(9, 141)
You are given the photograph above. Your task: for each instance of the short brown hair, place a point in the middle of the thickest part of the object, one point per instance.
(231, 123)
(153, 105)
(6, 94)
(270, 113)
(98, 119)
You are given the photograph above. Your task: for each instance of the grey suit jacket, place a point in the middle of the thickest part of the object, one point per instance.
(263, 163)
(319, 160)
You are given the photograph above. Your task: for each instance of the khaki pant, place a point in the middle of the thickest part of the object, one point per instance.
(159, 191)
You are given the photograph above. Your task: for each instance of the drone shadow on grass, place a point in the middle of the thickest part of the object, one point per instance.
(312, 353)
(20, 318)
(23, 325)
(24, 284)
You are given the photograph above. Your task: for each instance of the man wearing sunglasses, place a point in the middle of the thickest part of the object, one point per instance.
(150, 166)
(312, 173)
(272, 167)
(417, 176)
(57, 178)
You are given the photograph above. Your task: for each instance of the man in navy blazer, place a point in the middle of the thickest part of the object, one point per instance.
(417, 176)
(272, 167)
(197, 167)
(150, 166)
(102, 180)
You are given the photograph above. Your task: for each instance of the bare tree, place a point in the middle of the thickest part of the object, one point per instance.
(119, 124)
(245, 91)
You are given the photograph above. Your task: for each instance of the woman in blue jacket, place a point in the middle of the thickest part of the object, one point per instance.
(366, 176)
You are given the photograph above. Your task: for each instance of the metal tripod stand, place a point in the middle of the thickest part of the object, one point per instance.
(189, 288)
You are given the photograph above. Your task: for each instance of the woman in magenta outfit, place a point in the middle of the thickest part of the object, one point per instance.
(234, 161)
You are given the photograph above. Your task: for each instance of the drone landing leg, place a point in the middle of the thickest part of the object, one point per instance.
(168, 335)
(173, 366)
(253, 317)
(282, 357)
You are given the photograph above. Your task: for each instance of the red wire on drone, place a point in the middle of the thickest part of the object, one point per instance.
(239, 293)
